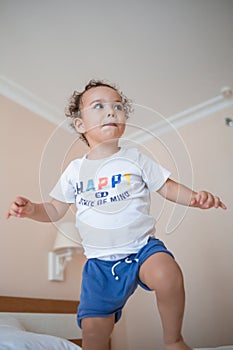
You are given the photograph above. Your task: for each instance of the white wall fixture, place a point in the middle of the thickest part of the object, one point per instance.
(229, 122)
(66, 245)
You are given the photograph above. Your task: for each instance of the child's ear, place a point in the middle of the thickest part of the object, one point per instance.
(79, 126)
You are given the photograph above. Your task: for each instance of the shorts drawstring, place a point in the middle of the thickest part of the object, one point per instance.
(127, 261)
(113, 272)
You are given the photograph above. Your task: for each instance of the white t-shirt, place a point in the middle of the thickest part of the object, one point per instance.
(112, 196)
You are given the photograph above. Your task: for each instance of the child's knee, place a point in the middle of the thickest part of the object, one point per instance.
(170, 278)
(97, 327)
(88, 326)
(161, 272)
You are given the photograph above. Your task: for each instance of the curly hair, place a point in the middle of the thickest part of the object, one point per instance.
(73, 108)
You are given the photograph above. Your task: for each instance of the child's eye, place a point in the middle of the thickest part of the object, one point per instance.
(98, 106)
(118, 107)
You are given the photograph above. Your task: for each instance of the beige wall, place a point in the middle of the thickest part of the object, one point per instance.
(32, 155)
(202, 242)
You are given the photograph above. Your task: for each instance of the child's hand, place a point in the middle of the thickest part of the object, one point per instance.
(21, 208)
(206, 200)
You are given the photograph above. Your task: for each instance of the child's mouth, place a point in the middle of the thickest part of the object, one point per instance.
(110, 124)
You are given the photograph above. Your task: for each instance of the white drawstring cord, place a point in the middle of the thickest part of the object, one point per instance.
(113, 272)
(127, 261)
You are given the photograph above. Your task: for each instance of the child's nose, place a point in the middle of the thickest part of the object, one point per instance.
(111, 112)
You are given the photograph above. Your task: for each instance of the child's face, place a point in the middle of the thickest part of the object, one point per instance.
(102, 115)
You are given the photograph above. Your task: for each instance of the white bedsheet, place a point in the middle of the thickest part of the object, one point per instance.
(13, 336)
(225, 347)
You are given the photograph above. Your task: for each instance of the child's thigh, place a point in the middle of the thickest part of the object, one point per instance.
(159, 270)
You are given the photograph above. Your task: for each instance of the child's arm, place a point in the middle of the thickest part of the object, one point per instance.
(44, 212)
(181, 194)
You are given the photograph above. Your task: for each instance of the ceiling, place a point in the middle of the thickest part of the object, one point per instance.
(166, 55)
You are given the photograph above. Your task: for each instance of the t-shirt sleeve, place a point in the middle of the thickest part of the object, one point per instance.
(64, 189)
(153, 173)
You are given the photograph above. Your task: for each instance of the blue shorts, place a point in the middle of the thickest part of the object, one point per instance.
(107, 285)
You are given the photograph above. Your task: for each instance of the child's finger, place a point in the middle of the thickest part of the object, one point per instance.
(204, 198)
(20, 201)
(196, 199)
(200, 197)
(13, 211)
(218, 203)
(193, 202)
(16, 208)
(8, 215)
(222, 205)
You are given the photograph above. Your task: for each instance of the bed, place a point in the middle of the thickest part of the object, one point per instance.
(226, 347)
(42, 324)
(38, 324)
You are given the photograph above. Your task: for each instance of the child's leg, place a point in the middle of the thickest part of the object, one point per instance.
(161, 273)
(96, 332)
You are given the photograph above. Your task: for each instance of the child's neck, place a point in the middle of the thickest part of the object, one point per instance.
(103, 150)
